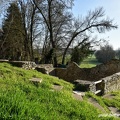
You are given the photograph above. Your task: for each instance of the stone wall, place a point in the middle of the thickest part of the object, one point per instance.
(45, 68)
(103, 86)
(29, 65)
(104, 78)
(104, 70)
(23, 64)
(82, 85)
(71, 73)
(74, 72)
(111, 83)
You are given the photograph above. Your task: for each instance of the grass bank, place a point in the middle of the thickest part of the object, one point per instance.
(22, 100)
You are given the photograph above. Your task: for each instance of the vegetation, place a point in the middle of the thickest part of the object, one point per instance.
(13, 40)
(89, 62)
(118, 53)
(105, 54)
(20, 99)
(115, 102)
(81, 52)
(47, 24)
(105, 102)
(76, 56)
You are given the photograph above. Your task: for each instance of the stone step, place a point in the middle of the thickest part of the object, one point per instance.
(36, 81)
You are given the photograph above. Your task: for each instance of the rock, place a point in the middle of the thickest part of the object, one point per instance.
(36, 81)
(45, 68)
(42, 70)
(29, 65)
(57, 87)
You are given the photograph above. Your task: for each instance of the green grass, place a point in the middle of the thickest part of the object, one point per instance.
(115, 102)
(106, 102)
(89, 62)
(22, 100)
(99, 99)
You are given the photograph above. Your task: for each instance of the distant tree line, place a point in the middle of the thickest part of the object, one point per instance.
(30, 25)
(107, 53)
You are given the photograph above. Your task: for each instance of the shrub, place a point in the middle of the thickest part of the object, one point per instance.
(79, 53)
(76, 55)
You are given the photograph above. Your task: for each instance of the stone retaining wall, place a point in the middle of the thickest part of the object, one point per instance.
(111, 83)
(103, 86)
(104, 78)
(23, 64)
(74, 72)
(82, 85)
(45, 68)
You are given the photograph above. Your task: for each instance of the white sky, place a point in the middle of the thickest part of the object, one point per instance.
(112, 10)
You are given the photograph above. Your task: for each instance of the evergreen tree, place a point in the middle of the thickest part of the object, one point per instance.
(13, 33)
(81, 52)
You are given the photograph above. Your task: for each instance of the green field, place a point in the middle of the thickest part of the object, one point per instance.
(22, 100)
(89, 62)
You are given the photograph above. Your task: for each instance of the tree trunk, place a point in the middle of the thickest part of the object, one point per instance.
(63, 58)
(51, 34)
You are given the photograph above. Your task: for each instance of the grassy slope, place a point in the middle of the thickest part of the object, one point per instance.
(21, 100)
(89, 62)
(105, 102)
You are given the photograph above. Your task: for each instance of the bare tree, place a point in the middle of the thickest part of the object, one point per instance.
(55, 19)
(94, 21)
(30, 23)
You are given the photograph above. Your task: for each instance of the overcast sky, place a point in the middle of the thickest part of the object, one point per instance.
(112, 10)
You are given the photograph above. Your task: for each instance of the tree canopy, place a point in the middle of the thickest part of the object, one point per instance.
(49, 25)
(12, 44)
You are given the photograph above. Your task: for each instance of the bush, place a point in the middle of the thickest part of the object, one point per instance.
(105, 54)
(79, 53)
(75, 57)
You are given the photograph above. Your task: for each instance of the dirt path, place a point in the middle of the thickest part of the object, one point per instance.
(115, 111)
(78, 95)
(96, 104)
(108, 96)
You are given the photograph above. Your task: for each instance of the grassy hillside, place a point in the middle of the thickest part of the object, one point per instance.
(89, 62)
(22, 100)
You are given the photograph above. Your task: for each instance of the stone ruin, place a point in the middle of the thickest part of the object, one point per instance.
(74, 72)
(101, 79)
(28, 65)
(24, 64)
(45, 68)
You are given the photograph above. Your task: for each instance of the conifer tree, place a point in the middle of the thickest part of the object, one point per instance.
(13, 33)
